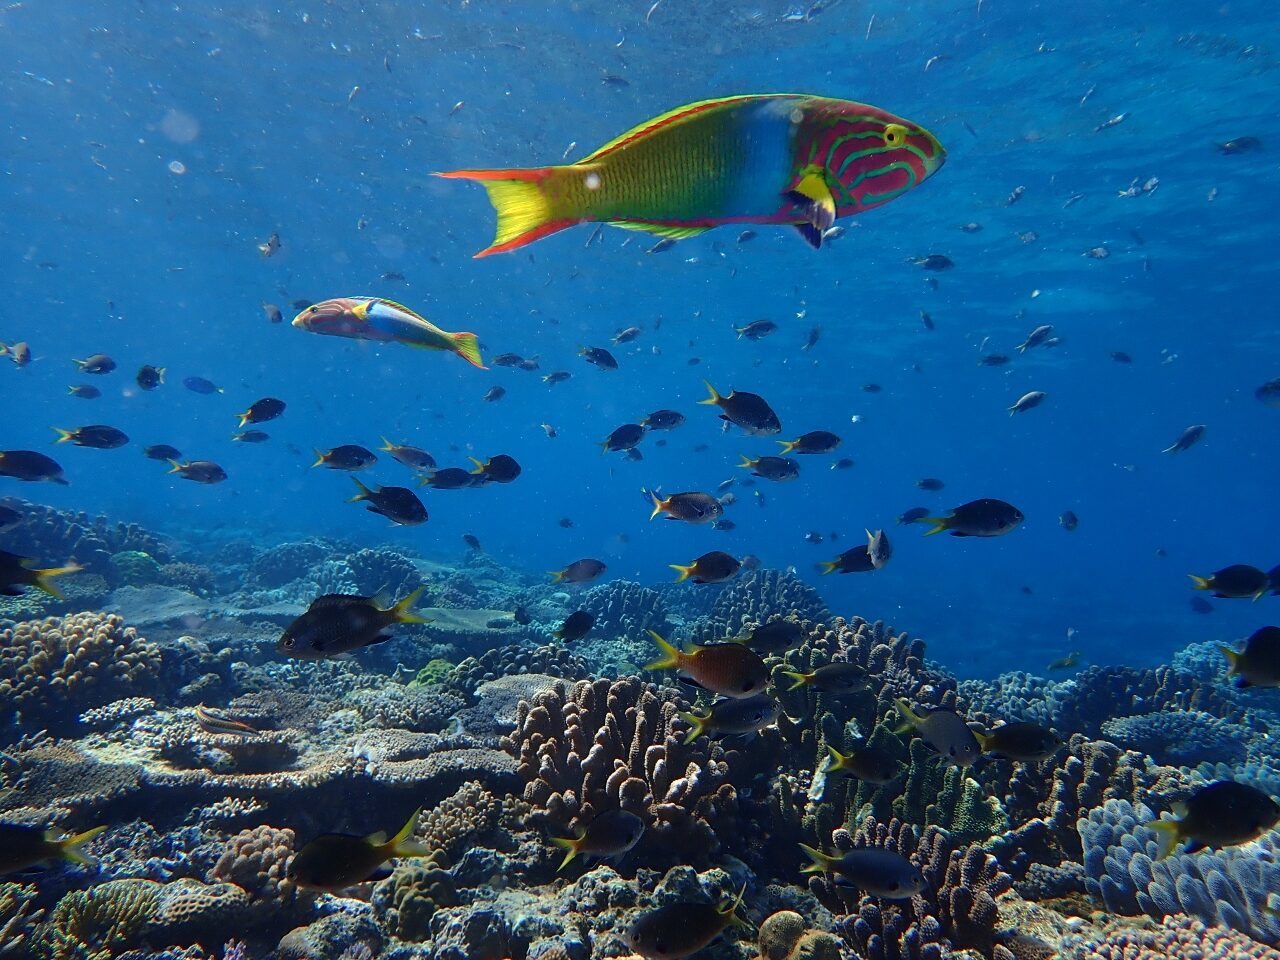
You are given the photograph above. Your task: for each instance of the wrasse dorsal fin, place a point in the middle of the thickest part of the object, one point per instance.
(677, 115)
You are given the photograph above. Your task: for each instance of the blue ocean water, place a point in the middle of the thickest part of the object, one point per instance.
(323, 122)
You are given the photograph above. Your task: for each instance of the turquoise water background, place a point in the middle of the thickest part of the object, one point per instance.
(322, 122)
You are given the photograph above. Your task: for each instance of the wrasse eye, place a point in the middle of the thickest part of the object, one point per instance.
(895, 135)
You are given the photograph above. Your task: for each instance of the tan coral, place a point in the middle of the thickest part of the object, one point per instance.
(54, 669)
(785, 936)
(258, 860)
(606, 745)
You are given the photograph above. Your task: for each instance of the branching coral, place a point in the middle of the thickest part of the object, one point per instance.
(619, 745)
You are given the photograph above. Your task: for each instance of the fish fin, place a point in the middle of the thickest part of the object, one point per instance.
(43, 577)
(160, 373)
(731, 912)
(1202, 583)
(63, 435)
(910, 719)
(685, 571)
(672, 117)
(670, 231)
(810, 234)
(480, 465)
(467, 346)
(821, 862)
(828, 566)
(403, 610)
(175, 466)
(715, 397)
(939, 524)
(670, 655)
(787, 445)
(699, 726)
(319, 459)
(747, 463)
(1233, 660)
(525, 210)
(363, 494)
(400, 845)
(244, 418)
(387, 445)
(1168, 834)
(69, 849)
(981, 735)
(377, 838)
(813, 196)
(801, 679)
(838, 760)
(556, 575)
(659, 506)
(570, 845)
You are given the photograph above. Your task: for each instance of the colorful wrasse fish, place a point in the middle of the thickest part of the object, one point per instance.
(780, 158)
(373, 318)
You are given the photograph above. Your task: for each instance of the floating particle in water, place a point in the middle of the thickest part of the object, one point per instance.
(177, 167)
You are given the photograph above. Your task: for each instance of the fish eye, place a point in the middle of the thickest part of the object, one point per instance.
(895, 135)
(288, 642)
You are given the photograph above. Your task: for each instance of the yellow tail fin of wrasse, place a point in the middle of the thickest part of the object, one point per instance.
(828, 566)
(821, 862)
(1168, 834)
(699, 726)
(787, 445)
(467, 346)
(1233, 660)
(244, 418)
(910, 719)
(556, 575)
(44, 576)
(801, 679)
(747, 463)
(685, 571)
(63, 435)
(659, 506)
(939, 524)
(526, 210)
(1201, 583)
(320, 459)
(175, 466)
(70, 847)
(671, 657)
(387, 445)
(403, 609)
(480, 465)
(400, 845)
(715, 398)
(570, 845)
(363, 492)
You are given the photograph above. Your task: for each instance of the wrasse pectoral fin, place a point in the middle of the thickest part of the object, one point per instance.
(670, 231)
(815, 203)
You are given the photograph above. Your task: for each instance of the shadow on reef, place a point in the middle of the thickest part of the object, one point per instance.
(162, 711)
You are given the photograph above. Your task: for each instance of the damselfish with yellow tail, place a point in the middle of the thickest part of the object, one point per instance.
(773, 158)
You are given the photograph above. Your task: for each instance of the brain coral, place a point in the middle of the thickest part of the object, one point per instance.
(605, 745)
(53, 670)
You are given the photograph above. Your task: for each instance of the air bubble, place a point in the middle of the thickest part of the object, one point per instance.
(177, 167)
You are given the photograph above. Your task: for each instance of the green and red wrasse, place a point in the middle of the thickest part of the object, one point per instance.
(781, 158)
(373, 318)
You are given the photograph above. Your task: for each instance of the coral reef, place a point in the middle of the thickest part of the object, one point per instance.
(1222, 888)
(1181, 738)
(1177, 938)
(54, 669)
(468, 675)
(755, 597)
(57, 536)
(607, 745)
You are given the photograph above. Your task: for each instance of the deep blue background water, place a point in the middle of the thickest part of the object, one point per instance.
(104, 249)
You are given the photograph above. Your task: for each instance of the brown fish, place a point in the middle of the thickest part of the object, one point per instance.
(729, 669)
